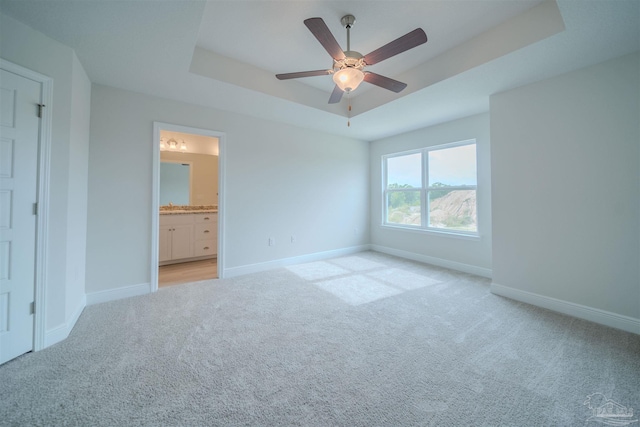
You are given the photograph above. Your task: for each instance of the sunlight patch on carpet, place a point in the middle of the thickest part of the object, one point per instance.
(317, 270)
(403, 279)
(358, 289)
(356, 263)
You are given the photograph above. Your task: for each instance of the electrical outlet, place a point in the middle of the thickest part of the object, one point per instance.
(272, 241)
(293, 238)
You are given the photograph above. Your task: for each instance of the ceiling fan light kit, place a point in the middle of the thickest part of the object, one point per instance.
(348, 69)
(348, 79)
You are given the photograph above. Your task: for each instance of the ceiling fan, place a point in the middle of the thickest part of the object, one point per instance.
(349, 66)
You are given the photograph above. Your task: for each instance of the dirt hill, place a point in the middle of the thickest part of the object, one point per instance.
(456, 209)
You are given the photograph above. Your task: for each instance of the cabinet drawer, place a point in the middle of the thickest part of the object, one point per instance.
(206, 230)
(205, 247)
(206, 218)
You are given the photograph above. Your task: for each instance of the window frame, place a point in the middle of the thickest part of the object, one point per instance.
(424, 192)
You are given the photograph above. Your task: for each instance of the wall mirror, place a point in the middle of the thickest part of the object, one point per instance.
(188, 169)
(175, 183)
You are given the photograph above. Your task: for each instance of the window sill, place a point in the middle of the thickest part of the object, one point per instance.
(434, 232)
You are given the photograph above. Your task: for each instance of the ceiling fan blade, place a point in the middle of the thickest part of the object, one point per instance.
(384, 82)
(297, 75)
(336, 95)
(399, 45)
(320, 30)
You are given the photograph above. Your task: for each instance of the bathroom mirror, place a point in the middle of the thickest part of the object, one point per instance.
(203, 179)
(175, 180)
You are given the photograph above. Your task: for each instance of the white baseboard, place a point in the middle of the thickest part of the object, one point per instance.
(596, 315)
(454, 265)
(118, 293)
(284, 262)
(59, 333)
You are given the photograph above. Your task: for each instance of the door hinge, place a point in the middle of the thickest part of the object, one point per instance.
(40, 107)
(35, 208)
(32, 307)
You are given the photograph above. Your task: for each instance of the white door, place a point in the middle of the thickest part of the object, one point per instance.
(182, 241)
(19, 133)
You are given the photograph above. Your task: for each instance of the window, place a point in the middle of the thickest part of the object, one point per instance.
(432, 189)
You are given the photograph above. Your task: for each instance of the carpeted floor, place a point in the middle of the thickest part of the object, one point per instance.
(363, 340)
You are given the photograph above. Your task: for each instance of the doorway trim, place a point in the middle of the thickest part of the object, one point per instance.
(42, 197)
(155, 192)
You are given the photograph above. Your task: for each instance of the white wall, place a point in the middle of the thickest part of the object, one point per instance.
(77, 190)
(280, 180)
(467, 255)
(565, 155)
(31, 49)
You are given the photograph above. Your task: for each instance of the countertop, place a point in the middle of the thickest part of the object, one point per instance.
(187, 212)
(187, 209)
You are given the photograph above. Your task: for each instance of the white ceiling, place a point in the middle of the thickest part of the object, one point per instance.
(224, 54)
(290, 46)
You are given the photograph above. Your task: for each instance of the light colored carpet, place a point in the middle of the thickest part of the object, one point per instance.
(363, 340)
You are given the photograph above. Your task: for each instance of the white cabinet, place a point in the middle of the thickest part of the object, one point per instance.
(187, 237)
(164, 243)
(206, 234)
(182, 241)
(175, 237)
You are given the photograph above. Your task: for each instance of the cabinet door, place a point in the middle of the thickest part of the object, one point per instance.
(182, 241)
(164, 243)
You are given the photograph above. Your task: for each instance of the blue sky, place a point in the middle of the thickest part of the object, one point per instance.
(405, 170)
(451, 166)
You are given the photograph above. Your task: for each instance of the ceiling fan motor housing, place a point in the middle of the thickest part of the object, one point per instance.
(352, 59)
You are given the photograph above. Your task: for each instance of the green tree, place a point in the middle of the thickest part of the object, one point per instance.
(436, 194)
(399, 199)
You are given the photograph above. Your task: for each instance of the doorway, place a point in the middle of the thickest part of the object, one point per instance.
(187, 205)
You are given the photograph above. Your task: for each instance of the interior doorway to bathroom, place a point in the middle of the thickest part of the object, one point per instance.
(187, 210)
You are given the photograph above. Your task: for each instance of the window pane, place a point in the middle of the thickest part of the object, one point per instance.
(404, 171)
(455, 210)
(403, 207)
(453, 166)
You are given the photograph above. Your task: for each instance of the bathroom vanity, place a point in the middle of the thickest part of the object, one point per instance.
(187, 233)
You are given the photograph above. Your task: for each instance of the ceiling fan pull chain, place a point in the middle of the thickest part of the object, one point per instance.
(349, 109)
